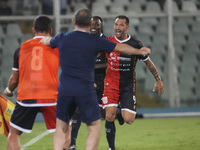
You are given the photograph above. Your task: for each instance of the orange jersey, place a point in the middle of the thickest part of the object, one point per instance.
(38, 71)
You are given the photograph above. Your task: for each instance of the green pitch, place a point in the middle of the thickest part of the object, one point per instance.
(143, 134)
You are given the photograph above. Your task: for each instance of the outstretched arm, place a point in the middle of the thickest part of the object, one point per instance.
(159, 84)
(46, 40)
(126, 49)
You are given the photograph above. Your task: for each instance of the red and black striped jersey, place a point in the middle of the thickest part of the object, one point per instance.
(121, 67)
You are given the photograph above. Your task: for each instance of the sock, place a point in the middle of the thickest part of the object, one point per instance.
(110, 134)
(76, 123)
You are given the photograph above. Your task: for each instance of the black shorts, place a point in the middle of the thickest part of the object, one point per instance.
(128, 101)
(23, 117)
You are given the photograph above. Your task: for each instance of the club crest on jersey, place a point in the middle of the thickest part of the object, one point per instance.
(105, 100)
(113, 56)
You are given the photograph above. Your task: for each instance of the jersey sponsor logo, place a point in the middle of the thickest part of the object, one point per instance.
(105, 100)
(124, 58)
(118, 69)
(115, 58)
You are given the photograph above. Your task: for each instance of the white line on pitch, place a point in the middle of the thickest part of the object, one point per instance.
(37, 138)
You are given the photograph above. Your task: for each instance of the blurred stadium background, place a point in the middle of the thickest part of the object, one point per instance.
(171, 28)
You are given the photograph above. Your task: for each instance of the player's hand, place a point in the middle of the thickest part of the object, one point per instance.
(95, 85)
(145, 51)
(8, 93)
(159, 85)
(46, 40)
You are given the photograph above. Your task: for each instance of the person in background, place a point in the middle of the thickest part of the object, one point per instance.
(5, 10)
(47, 6)
(35, 72)
(119, 96)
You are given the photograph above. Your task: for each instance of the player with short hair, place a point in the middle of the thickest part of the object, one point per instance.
(96, 28)
(35, 72)
(120, 80)
(78, 52)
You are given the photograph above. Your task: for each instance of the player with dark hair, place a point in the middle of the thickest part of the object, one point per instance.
(78, 53)
(35, 72)
(120, 80)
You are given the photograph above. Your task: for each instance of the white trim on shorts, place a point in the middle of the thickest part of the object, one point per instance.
(36, 104)
(110, 105)
(51, 130)
(20, 128)
(131, 111)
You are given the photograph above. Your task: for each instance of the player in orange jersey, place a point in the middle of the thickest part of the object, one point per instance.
(35, 72)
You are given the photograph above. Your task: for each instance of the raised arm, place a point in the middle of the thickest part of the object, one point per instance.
(159, 84)
(126, 49)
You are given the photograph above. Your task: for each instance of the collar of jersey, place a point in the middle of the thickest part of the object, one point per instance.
(123, 40)
(80, 30)
(38, 37)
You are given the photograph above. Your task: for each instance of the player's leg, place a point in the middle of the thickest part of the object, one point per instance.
(59, 135)
(22, 120)
(13, 140)
(67, 138)
(90, 114)
(129, 117)
(110, 102)
(110, 126)
(119, 115)
(94, 129)
(76, 123)
(128, 107)
(48, 113)
(64, 111)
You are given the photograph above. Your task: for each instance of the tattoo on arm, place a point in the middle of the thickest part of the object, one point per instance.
(153, 69)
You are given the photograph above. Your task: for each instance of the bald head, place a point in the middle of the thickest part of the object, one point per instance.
(83, 17)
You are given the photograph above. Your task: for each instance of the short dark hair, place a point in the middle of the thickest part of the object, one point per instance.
(42, 24)
(97, 17)
(83, 17)
(123, 17)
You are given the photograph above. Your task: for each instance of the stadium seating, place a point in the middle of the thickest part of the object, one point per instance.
(175, 8)
(189, 6)
(144, 38)
(160, 39)
(10, 48)
(117, 9)
(144, 28)
(195, 27)
(99, 8)
(150, 21)
(162, 26)
(2, 34)
(134, 7)
(31, 7)
(108, 27)
(152, 7)
(78, 5)
(14, 30)
(140, 70)
(181, 27)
